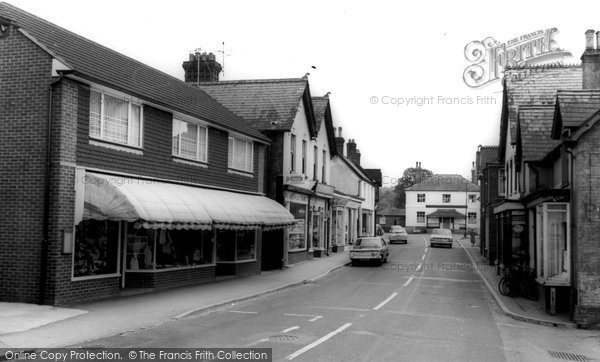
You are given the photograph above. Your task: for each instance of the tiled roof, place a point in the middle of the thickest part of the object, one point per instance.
(487, 154)
(574, 107)
(267, 104)
(447, 213)
(442, 182)
(536, 85)
(375, 175)
(103, 65)
(319, 107)
(535, 125)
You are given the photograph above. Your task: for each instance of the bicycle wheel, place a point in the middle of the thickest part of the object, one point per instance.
(504, 287)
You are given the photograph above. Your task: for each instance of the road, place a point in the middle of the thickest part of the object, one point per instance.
(425, 304)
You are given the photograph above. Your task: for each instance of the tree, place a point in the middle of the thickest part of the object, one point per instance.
(410, 177)
(387, 196)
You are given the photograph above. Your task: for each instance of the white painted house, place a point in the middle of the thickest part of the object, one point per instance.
(442, 201)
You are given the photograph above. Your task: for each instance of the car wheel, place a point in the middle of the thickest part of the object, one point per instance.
(354, 262)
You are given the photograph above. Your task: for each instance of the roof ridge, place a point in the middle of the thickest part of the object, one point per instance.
(253, 81)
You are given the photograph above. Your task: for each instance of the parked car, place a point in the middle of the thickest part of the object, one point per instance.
(441, 237)
(398, 234)
(369, 248)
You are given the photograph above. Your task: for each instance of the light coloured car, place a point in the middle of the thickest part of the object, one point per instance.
(441, 237)
(398, 234)
(369, 248)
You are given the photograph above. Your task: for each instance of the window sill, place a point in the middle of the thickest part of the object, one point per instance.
(237, 261)
(240, 173)
(91, 277)
(160, 270)
(189, 161)
(116, 146)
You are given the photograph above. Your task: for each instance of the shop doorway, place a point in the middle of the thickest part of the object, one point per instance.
(447, 222)
(272, 250)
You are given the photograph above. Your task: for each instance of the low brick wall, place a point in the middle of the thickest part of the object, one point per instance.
(587, 317)
(238, 269)
(297, 256)
(170, 278)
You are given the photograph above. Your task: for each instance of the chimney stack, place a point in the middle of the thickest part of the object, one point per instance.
(591, 60)
(473, 173)
(201, 67)
(351, 150)
(357, 158)
(339, 142)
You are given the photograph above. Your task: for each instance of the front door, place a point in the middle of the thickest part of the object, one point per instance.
(446, 222)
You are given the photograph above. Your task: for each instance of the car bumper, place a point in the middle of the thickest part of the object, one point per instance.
(437, 243)
(365, 256)
(400, 239)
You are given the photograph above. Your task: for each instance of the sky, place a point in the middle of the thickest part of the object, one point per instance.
(369, 55)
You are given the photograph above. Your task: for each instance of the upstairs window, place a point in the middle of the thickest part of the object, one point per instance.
(189, 140)
(420, 197)
(292, 153)
(304, 150)
(323, 164)
(472, 198)
(446, 198)
(241, 154)
(115, 120)
(501, 182)
(315, 163)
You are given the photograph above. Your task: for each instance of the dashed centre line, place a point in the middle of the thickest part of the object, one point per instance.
(242, 312)
(386, 301)
(314, 317)
(290, 329)
(318, 342)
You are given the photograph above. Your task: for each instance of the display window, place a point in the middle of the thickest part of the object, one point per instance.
(553, 243)
(236, 245)
(297, 233)
(96, 248)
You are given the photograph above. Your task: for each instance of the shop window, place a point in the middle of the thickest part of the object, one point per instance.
(236, 245)
(296, 236)
(420, 197)
(316, 229)
(174, 248)
(96, 248)
(115, 120)
(553, 242)
(420, 217)
(446, 198)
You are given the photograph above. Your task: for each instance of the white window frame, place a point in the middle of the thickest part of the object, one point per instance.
(292, 153)
(231, 151)
(543, 244)
(197, 158)
(472, 198)
(423, 197)
(444, 198)
(130, 102)
(424, 217)
(472, 218)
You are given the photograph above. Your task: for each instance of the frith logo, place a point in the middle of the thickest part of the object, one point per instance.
(489, 57)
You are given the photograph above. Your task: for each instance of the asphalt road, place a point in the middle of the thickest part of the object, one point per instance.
(423, 304)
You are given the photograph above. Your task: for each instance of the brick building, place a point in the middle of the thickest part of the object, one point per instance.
(548, 219)
(117, 175)
(487, 174)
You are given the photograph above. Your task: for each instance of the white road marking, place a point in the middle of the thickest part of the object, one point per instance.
(318, 342)
(290, 329)
(408, 281)
(423, 257)
(426, 249)
(449, 279)
(378, 307)
(242, 312)
(258, 342)
(419, 266)
(313, 317)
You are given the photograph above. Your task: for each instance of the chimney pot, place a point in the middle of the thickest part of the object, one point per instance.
(339, 131)
(589, 40)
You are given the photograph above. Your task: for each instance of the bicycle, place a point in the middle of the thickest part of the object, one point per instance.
(518, 281)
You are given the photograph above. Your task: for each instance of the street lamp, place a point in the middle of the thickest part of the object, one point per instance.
(466, 207)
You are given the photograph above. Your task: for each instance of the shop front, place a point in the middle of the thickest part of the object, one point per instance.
(513, 247)
(297, 246)
(157, 235)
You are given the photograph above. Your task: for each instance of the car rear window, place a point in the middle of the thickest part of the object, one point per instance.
(369, 242)
(397, 229)
(444, 232)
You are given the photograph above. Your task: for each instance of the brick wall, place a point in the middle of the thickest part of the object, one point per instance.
(275, 164)
(297, 256)
(586, 246)
(171, 278)
(24, 79)
(157, 160)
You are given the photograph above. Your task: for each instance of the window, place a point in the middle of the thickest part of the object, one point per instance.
(472, 217)
(241, 154)
(297, 232)
(304, 150)
(96, 248)
(420, 217)
(472, 198)
(420, 197)
(189, 140)
(323, 163)
(446, 198)
(115, 120)
(236, 245)
(316, 163)
(501, 181)
(292, 153)
(553, 243)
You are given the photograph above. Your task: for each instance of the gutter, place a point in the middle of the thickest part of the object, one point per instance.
(46, 223)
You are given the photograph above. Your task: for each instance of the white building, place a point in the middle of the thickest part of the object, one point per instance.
(442, 201)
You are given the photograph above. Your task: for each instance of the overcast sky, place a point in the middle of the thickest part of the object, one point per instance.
(360, 50)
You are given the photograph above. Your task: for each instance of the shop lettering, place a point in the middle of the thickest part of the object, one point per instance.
(490, 57)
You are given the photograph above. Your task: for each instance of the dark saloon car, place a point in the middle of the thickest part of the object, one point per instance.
(369, 248)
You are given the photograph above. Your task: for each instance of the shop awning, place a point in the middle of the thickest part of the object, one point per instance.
(163, 205)
(447, 213)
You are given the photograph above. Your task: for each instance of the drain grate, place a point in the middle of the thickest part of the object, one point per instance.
(566, 356)
(284, 338)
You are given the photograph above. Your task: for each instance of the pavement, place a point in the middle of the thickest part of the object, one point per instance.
(518, 308)
(34, 326)
(30, 326)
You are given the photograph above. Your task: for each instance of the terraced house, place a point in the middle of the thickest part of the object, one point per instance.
(116, 175)
(547, 216)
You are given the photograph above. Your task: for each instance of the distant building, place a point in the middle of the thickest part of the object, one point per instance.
(442, 201)
(390, 217)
